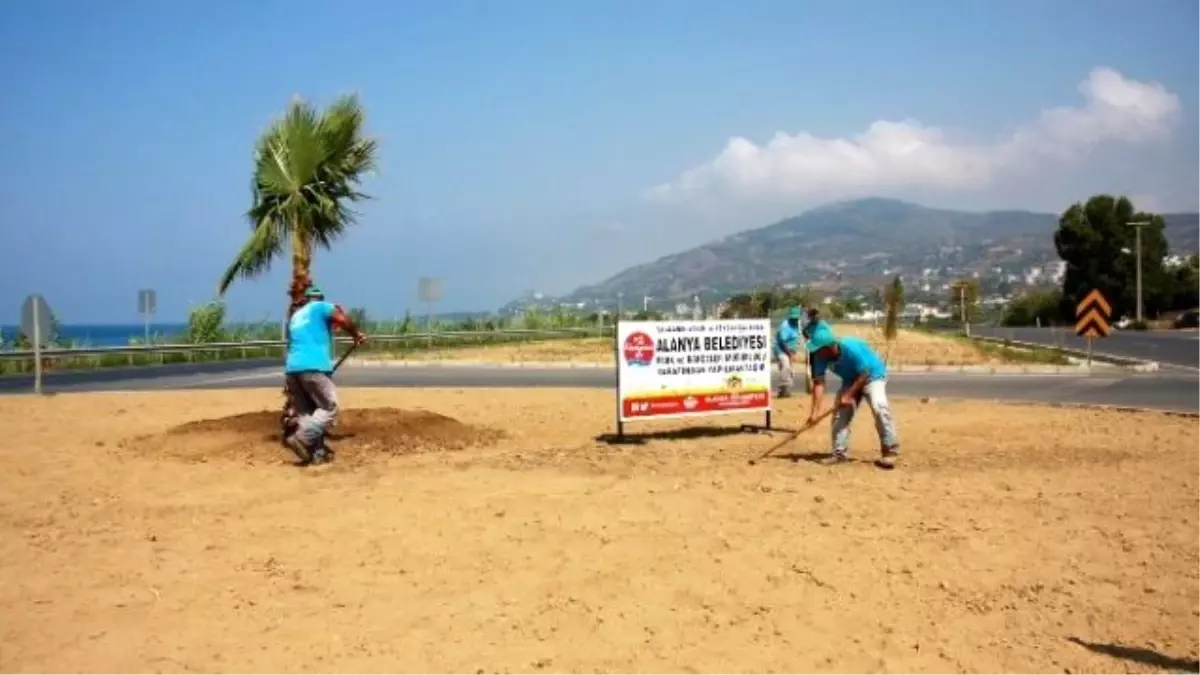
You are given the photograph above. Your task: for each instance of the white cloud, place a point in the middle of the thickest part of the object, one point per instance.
(893, 155)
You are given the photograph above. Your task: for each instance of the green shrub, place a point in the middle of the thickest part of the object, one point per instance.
(206, 323)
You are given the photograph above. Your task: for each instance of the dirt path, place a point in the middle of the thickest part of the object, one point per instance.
(511, 540)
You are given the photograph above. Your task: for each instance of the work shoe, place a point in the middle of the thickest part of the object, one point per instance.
(322, 456)
(888, 458)
(298, 449)
(833, 460)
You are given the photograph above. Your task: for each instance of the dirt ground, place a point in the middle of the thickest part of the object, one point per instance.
(909, 348)
(498, 531)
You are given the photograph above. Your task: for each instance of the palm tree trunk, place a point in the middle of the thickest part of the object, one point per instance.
(301, 263)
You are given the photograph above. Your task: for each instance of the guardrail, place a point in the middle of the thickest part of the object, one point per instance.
(1138, 365)
(248, 346)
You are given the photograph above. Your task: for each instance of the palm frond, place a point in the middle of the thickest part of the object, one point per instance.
(256, 254)
(307, 169)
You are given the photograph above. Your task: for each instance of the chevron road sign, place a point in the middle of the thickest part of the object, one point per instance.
(1092, 316)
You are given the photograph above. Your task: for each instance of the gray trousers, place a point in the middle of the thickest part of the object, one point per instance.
(786, 376)
(876, 394)
(316, 402)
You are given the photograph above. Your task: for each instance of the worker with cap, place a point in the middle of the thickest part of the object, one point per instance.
(863, 374)
(309, 370)
(811, 322)
(787, 346)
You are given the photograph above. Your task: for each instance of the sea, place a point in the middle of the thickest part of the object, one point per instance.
(110, 335)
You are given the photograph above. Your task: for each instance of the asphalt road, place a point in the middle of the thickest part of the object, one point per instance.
(1175, 390)
(136, 377)
(1177, 348)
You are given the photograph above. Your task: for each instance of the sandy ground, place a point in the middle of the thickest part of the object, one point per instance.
(909, 348)
(510, 539)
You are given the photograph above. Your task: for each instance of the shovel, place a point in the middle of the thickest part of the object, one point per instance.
(793, 437)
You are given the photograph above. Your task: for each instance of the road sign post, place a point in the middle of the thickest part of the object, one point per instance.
(147, 306)
(1093, 316)
(430, 292)
(36, 318)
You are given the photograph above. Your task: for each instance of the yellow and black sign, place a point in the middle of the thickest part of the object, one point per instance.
(1092, 316)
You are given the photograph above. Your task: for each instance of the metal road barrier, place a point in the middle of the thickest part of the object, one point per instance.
(245, 348)
(1137, 365)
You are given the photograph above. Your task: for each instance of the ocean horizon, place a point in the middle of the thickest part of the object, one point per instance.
(110, 335)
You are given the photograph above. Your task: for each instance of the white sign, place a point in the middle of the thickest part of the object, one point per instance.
(685, 368)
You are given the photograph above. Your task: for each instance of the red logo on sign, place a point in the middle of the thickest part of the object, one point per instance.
(639, 349)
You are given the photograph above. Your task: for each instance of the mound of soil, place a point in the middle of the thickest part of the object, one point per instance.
(360, 435)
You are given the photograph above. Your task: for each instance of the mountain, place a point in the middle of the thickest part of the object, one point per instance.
(855, 243)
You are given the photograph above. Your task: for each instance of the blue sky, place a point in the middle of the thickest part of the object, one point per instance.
(523, 142)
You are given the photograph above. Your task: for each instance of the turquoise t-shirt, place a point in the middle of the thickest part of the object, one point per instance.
(310, 338)
(787, 336)
(857, 358)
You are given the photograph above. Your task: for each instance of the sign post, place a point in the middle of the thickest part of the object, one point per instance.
(36, 318)
(674, 369)
(430, 292)
(147, 306)
(1092, 319)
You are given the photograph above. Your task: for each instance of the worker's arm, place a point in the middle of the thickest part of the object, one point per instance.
(850, 394)
(341, 320)
(818, 389)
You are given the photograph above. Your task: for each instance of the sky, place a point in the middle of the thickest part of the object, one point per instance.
(531, 145)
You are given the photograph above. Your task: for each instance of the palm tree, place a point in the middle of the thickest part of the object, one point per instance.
(307, 168)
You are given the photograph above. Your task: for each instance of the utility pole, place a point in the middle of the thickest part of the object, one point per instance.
(620, 308)
(962, 304)
(1138, 225)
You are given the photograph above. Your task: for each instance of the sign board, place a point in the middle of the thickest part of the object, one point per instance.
(692, 368)
(429, 289)
(1093, 315)
(36, 319)
(147, 301)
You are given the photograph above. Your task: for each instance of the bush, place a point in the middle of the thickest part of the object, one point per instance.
(1137, 324)
(206, 323)
(1034, 307)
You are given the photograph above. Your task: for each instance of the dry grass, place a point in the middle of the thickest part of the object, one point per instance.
(1008, 540)
(909, 348)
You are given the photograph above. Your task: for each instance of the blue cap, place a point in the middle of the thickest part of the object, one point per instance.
(822, 336)
(796, 312)
(313, 292)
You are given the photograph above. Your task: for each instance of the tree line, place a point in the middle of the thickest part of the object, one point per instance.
(762, 303)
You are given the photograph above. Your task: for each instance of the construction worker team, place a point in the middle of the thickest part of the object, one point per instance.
(861, 371)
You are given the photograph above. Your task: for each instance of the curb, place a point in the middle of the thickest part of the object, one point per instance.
(993, 370)
(567, 365)
(542, 365)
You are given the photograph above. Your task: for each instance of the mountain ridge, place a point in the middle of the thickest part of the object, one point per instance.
(855, 241)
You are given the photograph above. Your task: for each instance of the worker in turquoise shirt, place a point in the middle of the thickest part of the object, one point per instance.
(308, 372)
(787, 349)
(863, 374)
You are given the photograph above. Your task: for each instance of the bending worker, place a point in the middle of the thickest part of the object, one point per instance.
(787, 346)
(309, 371)
(863, 374)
